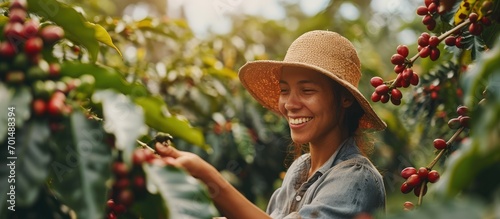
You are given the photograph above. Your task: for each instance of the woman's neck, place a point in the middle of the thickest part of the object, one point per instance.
(321, 152)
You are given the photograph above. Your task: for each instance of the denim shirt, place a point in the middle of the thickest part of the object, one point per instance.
(347, 184)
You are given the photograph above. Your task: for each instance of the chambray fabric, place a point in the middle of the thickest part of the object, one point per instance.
(346, 185)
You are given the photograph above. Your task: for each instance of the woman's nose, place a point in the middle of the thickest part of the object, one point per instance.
(292, 102)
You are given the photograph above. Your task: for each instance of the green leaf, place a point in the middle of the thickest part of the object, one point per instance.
(105, 78)
(73, 23)
(82, 167)
(476, 79)
(33, 162)
(20, 98)
(103, 36)
(157, 117)
(183, 195)
(122, 117)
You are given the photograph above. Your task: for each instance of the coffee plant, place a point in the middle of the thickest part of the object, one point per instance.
(468, 30)
(75, 124)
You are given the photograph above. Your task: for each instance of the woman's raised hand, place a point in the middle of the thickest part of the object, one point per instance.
(188, 161)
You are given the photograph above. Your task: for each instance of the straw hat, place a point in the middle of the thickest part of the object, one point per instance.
(323, 51)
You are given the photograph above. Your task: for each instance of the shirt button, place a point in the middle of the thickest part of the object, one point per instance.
(298, 198)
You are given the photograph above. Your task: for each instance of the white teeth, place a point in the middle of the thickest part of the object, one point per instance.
(299, 120)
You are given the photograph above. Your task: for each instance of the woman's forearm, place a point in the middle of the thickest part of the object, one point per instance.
(230, 202)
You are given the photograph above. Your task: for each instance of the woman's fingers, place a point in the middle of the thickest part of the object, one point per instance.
(167, 151)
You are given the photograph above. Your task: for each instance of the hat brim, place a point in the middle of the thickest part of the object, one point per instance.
(261, 79)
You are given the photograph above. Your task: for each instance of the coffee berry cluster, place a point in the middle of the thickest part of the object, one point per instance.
(129, 183)
(463, 119)
(25, 48)
(428, 11)
(416, 180)
(406, 77)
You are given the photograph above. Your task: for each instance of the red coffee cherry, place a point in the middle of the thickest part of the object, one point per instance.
(13, 31)
(382, 89)
(39, 107)
(475, 29)
(440, 144)
(126, 197)
(408, 171)
(414, 79)
(405, 188)
(422, 10)
(473, 17)
(397, 59)
(450, 41)
(51, 34)
(422, 173)
(458, 42)
(423, 39)
(376, 97)
(433, 176)
(413, 180)
(399, 68)
(376, 81)
(33, 46)
(465, 121)
(432, 8)
(427, 19)
(395, 101)
(110, 203)
(425, 52)
(30, 29)
(462, 110)
(120, 169)
(111, 215)
(418, 188)
(454, 123)
(407, 74)
(384, 98)
(54, 70)
(434, 54)
(396, 94)
(7, 50)
(21, 4)
(403, 50)
(434, 41)
(17, 15)
(56, 104)
(408, 206)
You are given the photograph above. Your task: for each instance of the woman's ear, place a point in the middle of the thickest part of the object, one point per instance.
(347, 99)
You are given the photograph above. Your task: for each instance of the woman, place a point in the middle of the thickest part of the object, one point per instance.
(315, 89)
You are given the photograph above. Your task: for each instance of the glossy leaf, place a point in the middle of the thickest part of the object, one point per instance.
(122, 118)
(19, 98)
(73, 23)
(105, 78)
(82, 167)
(34, 157)
(182, 194)
(158, 117)
(103, 36)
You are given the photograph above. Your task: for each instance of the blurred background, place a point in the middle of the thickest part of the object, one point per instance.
(188, 52)
(193, 64)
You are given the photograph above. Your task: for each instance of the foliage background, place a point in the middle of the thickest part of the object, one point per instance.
(195, 74)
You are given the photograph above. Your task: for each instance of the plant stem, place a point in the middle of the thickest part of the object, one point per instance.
(448, 143)
(421, 194)
(145, 146)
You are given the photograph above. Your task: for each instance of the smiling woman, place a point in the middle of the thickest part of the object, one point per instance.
(315, 89)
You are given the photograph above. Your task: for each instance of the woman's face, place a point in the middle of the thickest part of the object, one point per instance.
(310, 105)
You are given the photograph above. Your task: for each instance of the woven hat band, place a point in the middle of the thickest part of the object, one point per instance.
(334, 54)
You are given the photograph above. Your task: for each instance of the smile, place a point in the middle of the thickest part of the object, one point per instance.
(297, 121)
